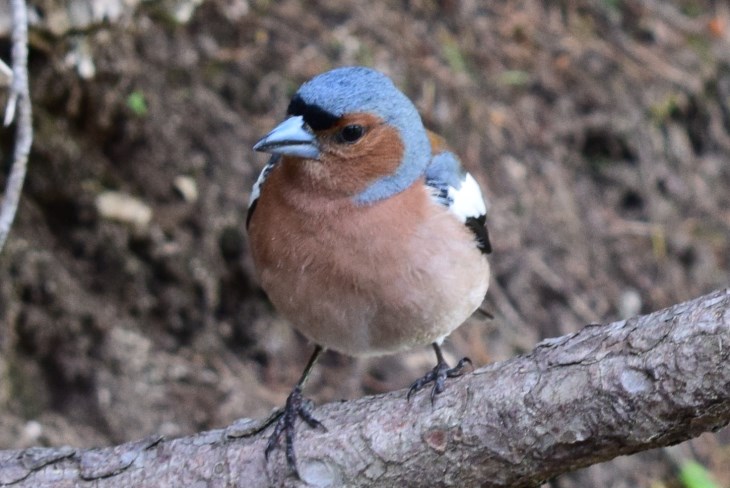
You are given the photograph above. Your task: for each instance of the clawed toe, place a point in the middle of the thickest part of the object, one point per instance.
(438, 375)
(296, 407)
(284, 420)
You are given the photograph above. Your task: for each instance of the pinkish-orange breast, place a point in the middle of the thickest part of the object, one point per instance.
(365, 279)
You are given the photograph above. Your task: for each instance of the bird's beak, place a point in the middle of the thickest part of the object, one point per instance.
(290, 138)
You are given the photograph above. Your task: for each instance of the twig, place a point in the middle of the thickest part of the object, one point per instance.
(19, 99)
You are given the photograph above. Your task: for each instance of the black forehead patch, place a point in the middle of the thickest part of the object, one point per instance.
(315, 116)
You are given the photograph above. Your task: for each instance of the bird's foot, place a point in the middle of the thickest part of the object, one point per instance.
(438, 376)
(296, 406)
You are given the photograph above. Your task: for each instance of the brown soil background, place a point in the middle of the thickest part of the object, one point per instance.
(600, 132)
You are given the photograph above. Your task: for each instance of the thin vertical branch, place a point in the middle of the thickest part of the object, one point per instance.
(19, 102)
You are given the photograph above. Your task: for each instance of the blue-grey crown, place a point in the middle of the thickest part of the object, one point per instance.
(329, 96)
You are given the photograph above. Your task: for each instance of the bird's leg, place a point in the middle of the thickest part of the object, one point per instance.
(284, 419)
(438, 374)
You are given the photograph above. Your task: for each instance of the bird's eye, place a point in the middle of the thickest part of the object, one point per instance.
(351, 133)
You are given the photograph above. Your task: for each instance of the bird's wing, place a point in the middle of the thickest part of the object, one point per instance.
(256, 190)
(457, 190)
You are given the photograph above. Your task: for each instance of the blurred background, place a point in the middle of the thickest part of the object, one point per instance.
(599, 130)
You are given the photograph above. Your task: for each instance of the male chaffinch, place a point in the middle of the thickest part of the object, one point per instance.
(366, 233)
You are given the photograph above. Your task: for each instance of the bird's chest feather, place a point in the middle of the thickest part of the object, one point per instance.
(355, 278)
(297, 239)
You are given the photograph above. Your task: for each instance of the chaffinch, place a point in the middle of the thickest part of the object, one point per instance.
(366, 233)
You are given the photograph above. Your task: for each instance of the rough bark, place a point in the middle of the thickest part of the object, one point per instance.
(605, 391)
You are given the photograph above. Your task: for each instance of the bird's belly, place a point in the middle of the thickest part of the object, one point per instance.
(372, 295)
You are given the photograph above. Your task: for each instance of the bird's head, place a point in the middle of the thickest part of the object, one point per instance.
(351, 131)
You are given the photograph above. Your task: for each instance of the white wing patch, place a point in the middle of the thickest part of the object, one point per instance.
(458, 191)
(256, 190)
(467, 201)
(454, 188)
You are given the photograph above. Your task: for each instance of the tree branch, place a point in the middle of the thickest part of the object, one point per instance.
(19, 99)
(605, 391)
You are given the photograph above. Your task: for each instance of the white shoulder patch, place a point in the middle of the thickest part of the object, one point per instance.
(256, 190)
(467, 201)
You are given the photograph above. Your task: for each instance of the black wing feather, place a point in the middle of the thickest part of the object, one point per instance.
(478, 225)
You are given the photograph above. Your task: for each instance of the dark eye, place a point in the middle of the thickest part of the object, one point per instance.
(351, 133)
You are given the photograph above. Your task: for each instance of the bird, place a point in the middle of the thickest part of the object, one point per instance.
(365, 231)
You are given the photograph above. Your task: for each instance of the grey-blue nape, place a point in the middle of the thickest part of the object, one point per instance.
(445, 169)
(359, 89)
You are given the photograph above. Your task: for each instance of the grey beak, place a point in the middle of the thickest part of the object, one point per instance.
(290, 138)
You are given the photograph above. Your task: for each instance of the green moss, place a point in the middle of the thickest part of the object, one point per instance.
(513, 77)
(665, 109)
(692, 8)
(694, 475)
(365, 55)
(137, 103)
(451, 51)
